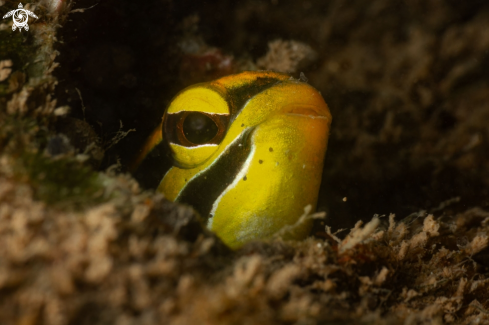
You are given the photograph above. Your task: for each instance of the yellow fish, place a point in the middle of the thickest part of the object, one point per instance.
(248, 152)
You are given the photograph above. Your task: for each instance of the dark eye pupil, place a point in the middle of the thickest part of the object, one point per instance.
(199, 128)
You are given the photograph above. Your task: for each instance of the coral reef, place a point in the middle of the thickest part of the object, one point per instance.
(81, 242)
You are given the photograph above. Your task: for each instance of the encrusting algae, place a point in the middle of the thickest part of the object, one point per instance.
(86, 246)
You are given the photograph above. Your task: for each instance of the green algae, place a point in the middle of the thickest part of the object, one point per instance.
(64, 182)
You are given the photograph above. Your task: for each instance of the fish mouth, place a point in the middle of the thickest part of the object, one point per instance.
(309, 111)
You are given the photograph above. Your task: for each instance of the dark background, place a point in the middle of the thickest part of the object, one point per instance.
(406, 82)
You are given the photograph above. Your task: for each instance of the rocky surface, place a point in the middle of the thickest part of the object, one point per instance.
(82, 243)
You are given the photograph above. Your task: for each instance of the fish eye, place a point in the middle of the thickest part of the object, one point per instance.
(199, 128)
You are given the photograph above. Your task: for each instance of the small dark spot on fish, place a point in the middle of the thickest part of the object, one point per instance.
(242, 125)
(245, 178)
(271, 149)
(260, 161)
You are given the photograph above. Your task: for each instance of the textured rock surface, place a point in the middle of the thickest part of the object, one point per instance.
(82, 243)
